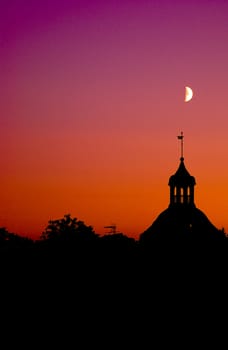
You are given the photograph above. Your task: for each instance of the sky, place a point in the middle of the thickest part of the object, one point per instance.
(92, 101)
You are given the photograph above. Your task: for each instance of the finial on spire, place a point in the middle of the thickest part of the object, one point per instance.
(181, 137)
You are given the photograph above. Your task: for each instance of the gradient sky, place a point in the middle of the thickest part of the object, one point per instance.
(92, 101)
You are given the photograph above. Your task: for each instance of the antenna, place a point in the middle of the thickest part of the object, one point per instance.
(181, 137)
(112, 228)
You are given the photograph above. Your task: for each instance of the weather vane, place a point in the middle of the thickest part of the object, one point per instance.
(181, 137)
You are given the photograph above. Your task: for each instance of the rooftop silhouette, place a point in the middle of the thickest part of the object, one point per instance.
(182, 220)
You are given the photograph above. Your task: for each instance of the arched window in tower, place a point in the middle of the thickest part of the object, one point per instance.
(182, 195)
(188, 194)
(175, 194)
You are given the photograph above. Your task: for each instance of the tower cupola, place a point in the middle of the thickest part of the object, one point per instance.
(181, 183)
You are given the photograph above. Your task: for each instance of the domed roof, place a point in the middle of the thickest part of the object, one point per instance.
(180, 223)
(182, 176)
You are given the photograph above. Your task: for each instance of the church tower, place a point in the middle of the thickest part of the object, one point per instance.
(181, 183)
(182, 220)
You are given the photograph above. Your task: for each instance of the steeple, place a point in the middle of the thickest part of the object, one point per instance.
(181, 183)
(182, 220)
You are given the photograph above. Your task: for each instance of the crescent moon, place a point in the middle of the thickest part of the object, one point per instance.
(188, 94)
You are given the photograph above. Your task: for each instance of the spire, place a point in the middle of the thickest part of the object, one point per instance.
(181, 183)
(181, 138)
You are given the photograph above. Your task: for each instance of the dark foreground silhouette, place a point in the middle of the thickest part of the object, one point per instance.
(68, 246)
(73, 285)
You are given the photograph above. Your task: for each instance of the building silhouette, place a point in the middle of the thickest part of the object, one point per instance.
(182, 220)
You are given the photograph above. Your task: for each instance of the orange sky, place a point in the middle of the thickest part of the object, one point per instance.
(92, 101)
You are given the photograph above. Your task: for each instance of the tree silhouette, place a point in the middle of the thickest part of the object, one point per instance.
(12, 239)
(68, 229)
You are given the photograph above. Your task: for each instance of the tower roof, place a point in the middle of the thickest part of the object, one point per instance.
(182, 176)
(181, 222)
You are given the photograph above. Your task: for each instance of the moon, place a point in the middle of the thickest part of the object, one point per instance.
(188, 94)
